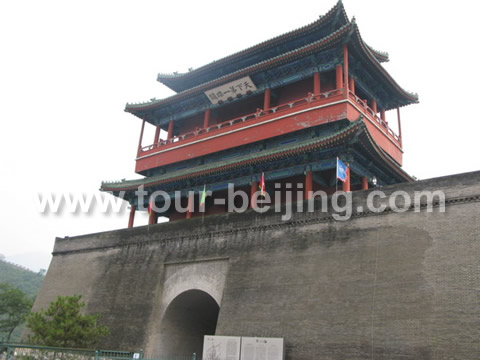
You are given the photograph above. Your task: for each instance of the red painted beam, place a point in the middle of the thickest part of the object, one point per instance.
(316, 83)
(141, 136)
(170, 129)
(253, 190)
(399, 125)
(308, 185)
(383, 115)
(152, 218)
(264, 127)
(351, 84)
(379, 133)
(345, 67)
(206, 119)
(266, 99)
(305, 115)
(364, 183)
(339, 76)
(374, 106)
(346, 183)
(157, 135)
(131, 218)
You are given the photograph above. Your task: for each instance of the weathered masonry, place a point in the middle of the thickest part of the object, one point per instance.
(382, 286)
(282, 114)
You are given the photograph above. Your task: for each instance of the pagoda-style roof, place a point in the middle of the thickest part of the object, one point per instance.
(356, 130)
(276, 46)
(329, 23)
(347, 33)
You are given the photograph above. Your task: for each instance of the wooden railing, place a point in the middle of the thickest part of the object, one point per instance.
(311, 98)
(372, 115)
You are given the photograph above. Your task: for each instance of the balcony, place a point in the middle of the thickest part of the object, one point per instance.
(313, 110)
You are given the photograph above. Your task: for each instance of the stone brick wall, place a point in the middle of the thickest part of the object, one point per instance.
(378, 286)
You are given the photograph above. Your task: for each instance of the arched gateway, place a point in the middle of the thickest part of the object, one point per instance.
(279, 116)
(188, 306)
(189, 317)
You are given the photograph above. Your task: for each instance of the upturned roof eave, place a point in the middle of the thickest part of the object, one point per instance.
(385, 157)
(285, 151)
(322, 43)
(173, 80)
(220, 166)
(369, 52)
(381, 56)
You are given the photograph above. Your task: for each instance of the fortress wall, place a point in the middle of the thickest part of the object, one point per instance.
(381, 286)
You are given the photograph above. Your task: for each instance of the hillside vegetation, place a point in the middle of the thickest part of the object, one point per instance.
(21, 278)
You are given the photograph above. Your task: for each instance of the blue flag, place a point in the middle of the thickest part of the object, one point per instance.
(341, 170)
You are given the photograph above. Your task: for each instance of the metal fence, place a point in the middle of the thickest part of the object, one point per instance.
(32, 352)
(176, 357)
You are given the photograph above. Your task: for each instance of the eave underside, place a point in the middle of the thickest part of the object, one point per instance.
(169, 106)
(353, 141)
(329, 23)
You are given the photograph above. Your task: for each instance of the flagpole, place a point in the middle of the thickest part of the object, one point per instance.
(336, 176)
(203, 212)
(262, 188)
(203, 202)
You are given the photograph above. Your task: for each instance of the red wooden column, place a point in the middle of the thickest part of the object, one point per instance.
(253, 190)
(266, 99)
(399, 125)
(364, 183)
(206, 118)
(346, 183)
(351, 84)
(345, 67)
(152, 218)
(170, 130)
(374, 106)
(190, 206)
(141, 136)
(157, 136)
(308, 185)
(383, 116)
(339, 77)
(316, 83)
(132, 216)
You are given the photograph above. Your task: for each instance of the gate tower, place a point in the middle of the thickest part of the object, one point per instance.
(287, 108)
(380, 285)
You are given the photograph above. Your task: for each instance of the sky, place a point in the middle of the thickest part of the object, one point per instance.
(67, 69)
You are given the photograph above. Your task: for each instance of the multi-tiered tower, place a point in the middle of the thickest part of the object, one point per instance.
(287, 107)
(401, 282)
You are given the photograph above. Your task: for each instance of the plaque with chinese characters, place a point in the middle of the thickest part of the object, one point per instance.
(221, 348)
(254, 348)
(231, 90)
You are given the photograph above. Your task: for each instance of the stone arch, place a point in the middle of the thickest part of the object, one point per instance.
(189, 317)
(193, 285)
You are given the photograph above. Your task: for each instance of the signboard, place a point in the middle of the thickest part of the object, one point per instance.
(231, 90)
(254, 348)
(221, 348)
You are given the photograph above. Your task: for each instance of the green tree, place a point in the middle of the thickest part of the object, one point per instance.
(14, 308)
(63, 325)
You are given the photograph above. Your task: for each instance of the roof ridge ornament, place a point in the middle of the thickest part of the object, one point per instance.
(384, 54)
